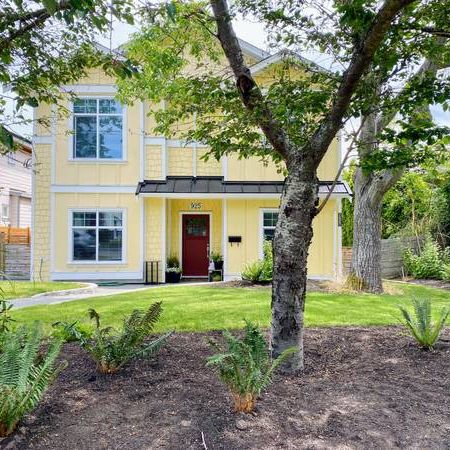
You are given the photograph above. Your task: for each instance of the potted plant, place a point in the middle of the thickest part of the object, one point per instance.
(216, 257)
(173, 270)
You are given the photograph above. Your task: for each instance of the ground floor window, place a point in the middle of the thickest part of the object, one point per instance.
(268, 224)
(97, 236)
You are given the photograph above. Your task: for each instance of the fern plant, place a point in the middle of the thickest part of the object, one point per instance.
(25, 373)
(420, 325)
(111, 349)
(244, 365)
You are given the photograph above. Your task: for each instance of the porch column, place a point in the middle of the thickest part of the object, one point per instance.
(225, 237)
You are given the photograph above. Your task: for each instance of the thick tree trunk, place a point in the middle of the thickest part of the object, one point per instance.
(369, 191)
(292, 239)
(366, 256)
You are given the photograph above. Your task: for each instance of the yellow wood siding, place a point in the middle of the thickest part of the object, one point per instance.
(153, 162)
(41, 224)
(129, 203)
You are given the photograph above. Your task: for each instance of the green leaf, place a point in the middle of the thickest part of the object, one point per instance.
(50, 5)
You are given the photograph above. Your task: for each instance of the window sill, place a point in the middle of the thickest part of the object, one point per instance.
(97, 263)
(97, 161)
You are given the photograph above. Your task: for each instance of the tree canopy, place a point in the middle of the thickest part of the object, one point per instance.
(48, 43)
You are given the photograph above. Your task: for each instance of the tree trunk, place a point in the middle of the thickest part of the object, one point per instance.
(366, 254)
(293, 235)
(369, 191)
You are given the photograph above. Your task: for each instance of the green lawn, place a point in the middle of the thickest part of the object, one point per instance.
(194, 308)
(20, 289)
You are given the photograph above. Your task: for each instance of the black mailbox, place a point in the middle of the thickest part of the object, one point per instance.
(234, 239)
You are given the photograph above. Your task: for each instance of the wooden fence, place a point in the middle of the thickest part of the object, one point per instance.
(391, 255)
(11, 235)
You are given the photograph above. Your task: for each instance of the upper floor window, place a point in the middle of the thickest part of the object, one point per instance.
(98, 129)
(270, 219)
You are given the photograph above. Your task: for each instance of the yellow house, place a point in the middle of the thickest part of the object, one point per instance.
(112, 199)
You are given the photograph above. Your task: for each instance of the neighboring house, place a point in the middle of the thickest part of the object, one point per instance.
(15, 185)
(111, 195)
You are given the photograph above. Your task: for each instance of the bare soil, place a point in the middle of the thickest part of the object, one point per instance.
(362, 388)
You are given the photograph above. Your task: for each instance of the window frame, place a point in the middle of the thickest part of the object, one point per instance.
(71, 126)
(70, 227)
(262, 227)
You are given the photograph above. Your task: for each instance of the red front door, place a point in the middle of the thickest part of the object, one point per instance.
(195, 245)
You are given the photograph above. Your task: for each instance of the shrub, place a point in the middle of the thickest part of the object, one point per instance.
(446, 272)
(420, 325)
(428, 263)
(112, 349)
(173, 262)
(252, 271)
(245, 366)
(25, 373)
(69, 332)
(261, 270)
(5, 317)
(267, 266)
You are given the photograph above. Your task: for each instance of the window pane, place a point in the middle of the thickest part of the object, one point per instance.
(85, 105)
(84, 219)
(196, 226)
(268, 234)
(83, 245)
(109, 106)
(109, 245)
(111, 137)
(270, 219)
(110, 219)
(85, 138)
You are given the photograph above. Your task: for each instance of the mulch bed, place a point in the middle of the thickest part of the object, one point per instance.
(362, 388)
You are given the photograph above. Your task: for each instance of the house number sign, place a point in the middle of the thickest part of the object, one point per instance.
(196, 205)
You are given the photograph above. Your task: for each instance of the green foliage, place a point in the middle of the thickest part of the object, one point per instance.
(173, 261)
(5, 316)
(26, 371)
(406, 207)
(216, 256)
(69, 331)
(47, 43)
(260, 271)
(422, 328)
(428, 263)
(111, 349)
(252, 271)
(244, 365)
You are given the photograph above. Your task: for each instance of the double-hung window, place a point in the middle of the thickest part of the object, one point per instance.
(98, 129)
(97, 236)
(269, 223)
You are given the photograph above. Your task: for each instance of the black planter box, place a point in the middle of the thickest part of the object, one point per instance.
(173, 277)
(218, 265)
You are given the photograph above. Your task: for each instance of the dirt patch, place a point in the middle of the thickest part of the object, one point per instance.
(362, 388)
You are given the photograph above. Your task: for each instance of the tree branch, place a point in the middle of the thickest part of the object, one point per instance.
(37, 18)
(251, 95)
(360, 62)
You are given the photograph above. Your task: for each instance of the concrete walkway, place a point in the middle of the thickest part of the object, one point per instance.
(51, 298)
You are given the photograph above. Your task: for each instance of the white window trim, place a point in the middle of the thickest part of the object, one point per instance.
(71, 135)
(96, 262)
(261, 229)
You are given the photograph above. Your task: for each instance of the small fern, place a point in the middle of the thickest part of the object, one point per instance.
(111, 349)
(25, 373)
(420, 325)
(245, 366)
